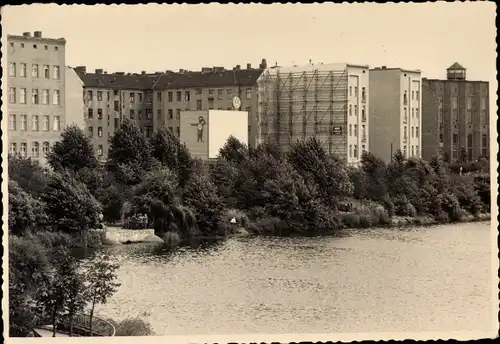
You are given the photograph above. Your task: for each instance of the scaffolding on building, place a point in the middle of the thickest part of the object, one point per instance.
(300, 104)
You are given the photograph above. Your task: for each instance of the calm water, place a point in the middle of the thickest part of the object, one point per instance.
(427, 279)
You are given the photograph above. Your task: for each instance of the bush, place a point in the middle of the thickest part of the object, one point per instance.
(132, 327)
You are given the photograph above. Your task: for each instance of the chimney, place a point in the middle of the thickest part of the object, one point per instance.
(98, 71)
(143, 72)
(80, 69)
(384, 67)
(263, 64)
(27, 34)
(238, 67)
(249, 66)
(37, 34)
(181, 70)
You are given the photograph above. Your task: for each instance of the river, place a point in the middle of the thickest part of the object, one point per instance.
(435, 279)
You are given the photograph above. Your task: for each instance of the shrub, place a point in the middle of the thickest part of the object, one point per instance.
(132, 327)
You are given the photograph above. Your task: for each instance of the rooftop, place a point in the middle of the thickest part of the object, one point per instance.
(384, 68)
(37, 36)
(455, 66)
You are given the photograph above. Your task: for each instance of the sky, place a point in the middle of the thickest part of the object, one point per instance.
(133, 38)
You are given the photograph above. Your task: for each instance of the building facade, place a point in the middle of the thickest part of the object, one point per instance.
(74, 107)
(327, 101)
(395, 112)
(36, 86)
(456, 117)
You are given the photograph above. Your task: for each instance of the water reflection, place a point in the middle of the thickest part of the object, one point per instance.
(429, 279)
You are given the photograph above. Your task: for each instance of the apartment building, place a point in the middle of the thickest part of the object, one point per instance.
(108, 99)
(455, 117)
(395, 112)
(212, 88)
(35, 82)
(327, 101)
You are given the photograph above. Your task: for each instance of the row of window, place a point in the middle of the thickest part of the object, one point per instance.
(35, 71)
(89, 95)
(35, 46)
(415, 132)
(355, 94)
(23, 149)
(415, 114)
(415, 95)
(37, 97)
(415, 151)
(353, 151)
(363, 128)
(363, 111)
(35, 123)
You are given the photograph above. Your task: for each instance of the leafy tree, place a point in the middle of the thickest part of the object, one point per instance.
(234, 151)
(71, 208)
(100, 278)
(224, 176)
(374, 170)
(129, 154)
(165, 148)
(28, 174)
(73, 152)
(200, 194)
(25, 213)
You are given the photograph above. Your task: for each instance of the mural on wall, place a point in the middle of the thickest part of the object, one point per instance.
(200, 126)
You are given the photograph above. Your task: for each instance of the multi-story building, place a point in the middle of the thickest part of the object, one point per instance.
(36, 89)
(209, 89)
(327, 101)
(74, 107)
(110, 98)
(455, 115)
(395, 112)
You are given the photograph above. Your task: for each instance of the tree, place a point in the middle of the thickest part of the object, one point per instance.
(100, 276)
(234, 151)
(129, 154)
(71, 208)
(25, 213)
(28, 173)
(374, 170)
(165, 147)
(73, 152)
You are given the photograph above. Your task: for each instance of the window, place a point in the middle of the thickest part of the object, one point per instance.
(469, 140)
(178, 113)
(34, 123)
(417, 150)
(405, 118)
(45, 97)
(249, 93)
(34, 96)
(12, 122)
(45, 123)
(149, 130)
(170, 96)
(12, 69)
(56, 48)
(363, 149)
(116, 106)
(350, 151)
(22, 71)
(363, 113)
(416, 132)
(198, 104)
(178, 130)
(417, 114)
(132, 97)
(149, 113)
(45, 148)
(170, 113)
(484, 145)
(412, 114)
(187, 96)
(355, 110)
(355, 151)
(24, 121)
(220, 94)
(412, 96)
(46, 47)
(158, 96)
(454, 102)
(46, 72)
(412, 150)
(99, 95)
(56, 72)
(91, 113)
(229, 94)
(12, 95)
(13, 148)
(483, 103)
(363, 137)
(99, 113)
(35, 150)
(412, 131)
(99, 150)
(34, 46)
(405, 98)
(469, 117)
(22, 96)
(132, 114)
(455, 139)
(90, 95)
(210, 94)
(469, 103)
(99, 131)
(55, 97)
(363, 94)
(405, 135)
(22, 45)
(350, 90)
(24, 149)
(355, 94)
(350, 110)
(91, 132)
(56, 123)
(417, 94)
(34, 71)
(350, 129)
(356, 130)
(404, 151)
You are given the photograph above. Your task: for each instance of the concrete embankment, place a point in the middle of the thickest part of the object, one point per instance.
(119, 236)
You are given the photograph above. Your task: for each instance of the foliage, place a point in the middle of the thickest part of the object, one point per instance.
(73, 152)
(234, 151)
(132, 327)
(26, 214)
(374, 170)
(28, 174)
(70, 206)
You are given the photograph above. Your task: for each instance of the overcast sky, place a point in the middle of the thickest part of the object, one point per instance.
(154, 37)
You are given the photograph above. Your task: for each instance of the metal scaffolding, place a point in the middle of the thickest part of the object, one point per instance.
(299, 104)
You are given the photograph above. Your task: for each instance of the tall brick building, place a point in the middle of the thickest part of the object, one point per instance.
(455, 117)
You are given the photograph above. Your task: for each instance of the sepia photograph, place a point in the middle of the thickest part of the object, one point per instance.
(250, 173)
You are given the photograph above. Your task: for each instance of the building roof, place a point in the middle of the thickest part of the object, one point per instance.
(36, 39)
(212, 78)
(455, 66)
(118, 80)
